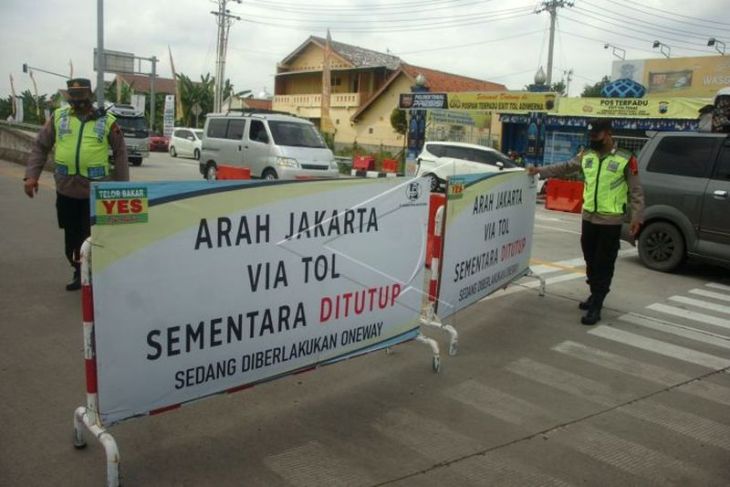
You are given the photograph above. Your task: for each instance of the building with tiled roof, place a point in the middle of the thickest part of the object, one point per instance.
(365, 86)
(141, 84)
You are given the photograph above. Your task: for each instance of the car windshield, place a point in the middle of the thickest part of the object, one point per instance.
(198, 134)
(136, 124)
(296, 134)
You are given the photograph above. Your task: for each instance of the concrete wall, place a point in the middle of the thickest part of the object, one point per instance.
(15, 144)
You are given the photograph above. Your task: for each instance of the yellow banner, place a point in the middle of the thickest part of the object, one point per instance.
(502, 101)
(679, 108)
(689, 76)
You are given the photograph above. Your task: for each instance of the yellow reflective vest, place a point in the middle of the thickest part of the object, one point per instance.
(82, 147)
(606, 189)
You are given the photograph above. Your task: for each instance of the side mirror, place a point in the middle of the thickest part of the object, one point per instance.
(500, 165)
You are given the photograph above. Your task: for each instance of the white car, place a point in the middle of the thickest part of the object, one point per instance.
(439, 160)
(186, 142)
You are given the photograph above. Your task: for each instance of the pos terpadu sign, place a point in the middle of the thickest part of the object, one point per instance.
(201, 288)
(488, 236)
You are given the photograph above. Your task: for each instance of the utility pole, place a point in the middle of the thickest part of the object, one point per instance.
(224, 19)
(551, 6)
(154, 60)
(568, 78)
(100, 53)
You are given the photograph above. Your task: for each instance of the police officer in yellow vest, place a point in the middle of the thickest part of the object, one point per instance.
(82, 137)
(612, 192)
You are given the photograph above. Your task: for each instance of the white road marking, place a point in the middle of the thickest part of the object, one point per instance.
(499, 404)
(720, 308)
(660, 347)
(497, 468)
(428, 437)
(707, 390)
(622, 364)
(710, 294)
(701, 429)
(565, 381)
(628, 456)
(690, 315)
(715, 285)
(663, 326)
(314, 465)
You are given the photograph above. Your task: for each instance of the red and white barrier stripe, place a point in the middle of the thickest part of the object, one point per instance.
(433, 284)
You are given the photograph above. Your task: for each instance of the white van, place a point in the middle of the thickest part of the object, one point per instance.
(271, 145)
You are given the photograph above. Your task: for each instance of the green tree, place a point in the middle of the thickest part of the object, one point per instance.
(594, 91)
(398, 121)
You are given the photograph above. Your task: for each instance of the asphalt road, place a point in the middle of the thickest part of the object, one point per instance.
(532, 398)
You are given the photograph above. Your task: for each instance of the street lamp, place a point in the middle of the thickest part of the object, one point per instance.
(717, 44)
(663, 48)
(616, 51)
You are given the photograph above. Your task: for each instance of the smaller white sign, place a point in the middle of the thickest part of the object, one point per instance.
(138, 102)
(168, 120)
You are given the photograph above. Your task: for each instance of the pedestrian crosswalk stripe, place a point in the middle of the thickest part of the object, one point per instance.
(660, 347)
(683, 331)
(428, 437)
(314, 465)
(720, 308)
(501, 405)
(567, 382)
(622, 364)
(497, 468)
(707, 390)
(628, 456)
(701, 429)
(690, 315)
(710, 294)
(715, 285)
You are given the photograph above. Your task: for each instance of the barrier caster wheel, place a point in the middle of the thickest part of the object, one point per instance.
(453, 348)
(436, 364)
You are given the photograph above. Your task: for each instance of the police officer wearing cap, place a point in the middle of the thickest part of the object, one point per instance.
(82, 137)
(612, 192)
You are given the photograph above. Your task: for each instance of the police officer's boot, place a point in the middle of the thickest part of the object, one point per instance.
(593, 315)
(586, 305)
(75, 283)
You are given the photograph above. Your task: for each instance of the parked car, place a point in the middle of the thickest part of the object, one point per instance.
(439, 160)
(159, 143)
(686, 182)
(271, 145)
(186, 142)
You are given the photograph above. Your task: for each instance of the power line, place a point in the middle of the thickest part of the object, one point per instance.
(654, 14)
(665, 34)
(523, 34)
(430, 26)
(654, 26)
(330, 21)
(649, 41)
(307, 8)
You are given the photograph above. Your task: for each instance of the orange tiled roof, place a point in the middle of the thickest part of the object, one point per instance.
(439, 81)
(257, 104)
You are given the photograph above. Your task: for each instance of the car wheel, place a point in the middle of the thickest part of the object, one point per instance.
(196, 155)
(434, 183)
(661, 247)
(269, 174)
(137, 161)
(173, 152)
(211, 172)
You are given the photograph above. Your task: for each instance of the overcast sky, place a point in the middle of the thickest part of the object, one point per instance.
(496, 40)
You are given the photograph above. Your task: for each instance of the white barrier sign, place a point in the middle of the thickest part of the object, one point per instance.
(488, 236)
(201, 288)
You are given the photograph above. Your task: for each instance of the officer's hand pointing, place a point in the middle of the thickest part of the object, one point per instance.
(31, 187)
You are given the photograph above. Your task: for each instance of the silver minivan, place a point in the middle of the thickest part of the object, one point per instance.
(686, 182)
(271, 145)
